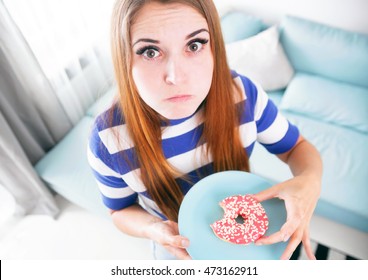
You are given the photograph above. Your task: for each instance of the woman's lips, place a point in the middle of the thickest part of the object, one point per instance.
(179, 98)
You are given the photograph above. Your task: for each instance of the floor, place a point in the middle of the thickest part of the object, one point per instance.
(75, 234)
(78, 234)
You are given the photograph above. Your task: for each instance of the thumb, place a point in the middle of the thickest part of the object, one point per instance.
(268, 193)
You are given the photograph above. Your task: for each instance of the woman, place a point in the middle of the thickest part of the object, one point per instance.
(182, 115)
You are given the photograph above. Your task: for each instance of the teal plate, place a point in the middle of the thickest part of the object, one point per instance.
(200, 208)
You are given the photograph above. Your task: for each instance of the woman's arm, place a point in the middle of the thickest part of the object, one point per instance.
(303, 159)
(300, 194)
(136, 221)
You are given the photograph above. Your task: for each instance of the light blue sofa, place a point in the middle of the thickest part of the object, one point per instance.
(65, 168)
(327, 98)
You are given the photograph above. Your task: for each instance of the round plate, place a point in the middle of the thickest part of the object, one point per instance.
(200, 208)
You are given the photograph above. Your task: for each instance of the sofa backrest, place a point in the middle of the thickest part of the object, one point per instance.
(326, 51)
(238, 25)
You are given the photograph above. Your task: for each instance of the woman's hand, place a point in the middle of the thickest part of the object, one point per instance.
(166, 233)
(300, 195)
(136, 221)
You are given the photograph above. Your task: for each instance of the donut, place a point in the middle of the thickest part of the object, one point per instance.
(255, 220)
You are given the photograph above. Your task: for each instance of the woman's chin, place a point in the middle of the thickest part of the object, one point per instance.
(178, 115)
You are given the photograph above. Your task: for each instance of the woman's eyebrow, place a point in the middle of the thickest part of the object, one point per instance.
(146, 40)
(196, 32)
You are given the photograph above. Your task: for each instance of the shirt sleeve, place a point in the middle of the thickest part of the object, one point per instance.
(116, 194)
(274, 131)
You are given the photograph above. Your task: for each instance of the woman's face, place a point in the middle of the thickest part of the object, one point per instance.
(172, 62)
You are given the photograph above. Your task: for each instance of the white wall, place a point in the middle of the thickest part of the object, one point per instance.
(347, 14)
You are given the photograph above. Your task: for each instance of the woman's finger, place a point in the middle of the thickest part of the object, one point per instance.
(307, 245)
(283, 234)
(270, 239)
(308, 249)
(298, 236)
(269, 193)
(177, 241)
(180, 254)
(290, 248)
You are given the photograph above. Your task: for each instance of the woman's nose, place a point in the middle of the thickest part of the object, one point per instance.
(175, 72)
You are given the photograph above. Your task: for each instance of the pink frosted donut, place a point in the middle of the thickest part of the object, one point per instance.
(254, 215)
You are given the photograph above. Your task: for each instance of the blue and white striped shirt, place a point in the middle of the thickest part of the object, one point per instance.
(119, 180)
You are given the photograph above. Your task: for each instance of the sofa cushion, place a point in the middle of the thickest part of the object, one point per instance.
(262, 59)
(65, 169)
(323, 50)
(237, 25)
(328, 101)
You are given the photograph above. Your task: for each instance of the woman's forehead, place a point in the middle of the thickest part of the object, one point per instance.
(160, 20)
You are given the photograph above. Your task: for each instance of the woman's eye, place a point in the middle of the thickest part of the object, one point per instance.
(150, 53)
(195, 47)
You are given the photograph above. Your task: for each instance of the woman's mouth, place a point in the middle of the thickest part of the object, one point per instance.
(179, 98)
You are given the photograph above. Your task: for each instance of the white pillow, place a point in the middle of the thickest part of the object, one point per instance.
(262, 59)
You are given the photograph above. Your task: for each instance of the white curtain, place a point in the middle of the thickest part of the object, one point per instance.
(20, 180)
(54, 63)
(69, 39)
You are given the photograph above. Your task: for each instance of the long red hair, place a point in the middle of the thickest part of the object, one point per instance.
(221, 118)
